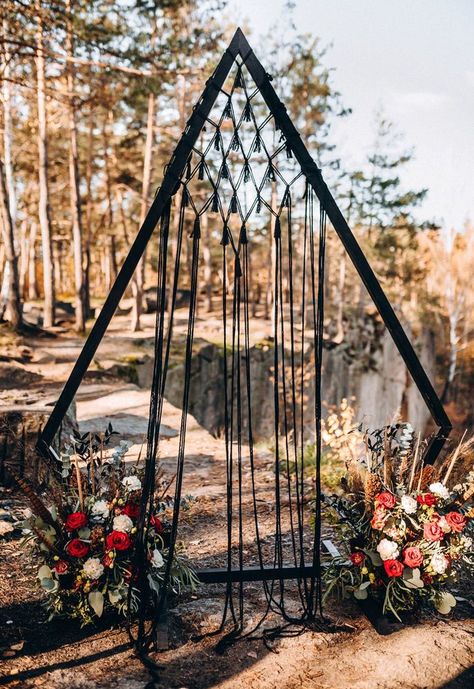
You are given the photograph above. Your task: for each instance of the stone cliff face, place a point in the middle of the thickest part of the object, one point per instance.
(379, 384)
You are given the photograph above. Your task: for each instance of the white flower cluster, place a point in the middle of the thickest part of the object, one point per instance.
(409, 504)
(122, 523)
(157, 559)
(93, 568)
(439, 563)
(100, 510)
(440, 491)
(388, 550)
(131, 483)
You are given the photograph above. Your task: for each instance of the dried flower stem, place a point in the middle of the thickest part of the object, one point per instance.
(92, 467)
(414, 463)
(79, 481)
(454, 459)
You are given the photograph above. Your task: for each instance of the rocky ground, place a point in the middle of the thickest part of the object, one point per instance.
(432, 653)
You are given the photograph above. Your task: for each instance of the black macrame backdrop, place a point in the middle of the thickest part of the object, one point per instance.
(241, 174)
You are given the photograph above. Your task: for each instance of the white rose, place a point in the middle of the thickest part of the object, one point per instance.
(93, 568)
(131, 483)
(439, 563)
(100, 510)
(409, 504)
(443, 524)
(388, 550)
(467, 542)
(157, 559)
(122, 523)
(440, 490)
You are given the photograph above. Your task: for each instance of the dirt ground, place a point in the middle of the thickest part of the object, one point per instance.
(433, 653)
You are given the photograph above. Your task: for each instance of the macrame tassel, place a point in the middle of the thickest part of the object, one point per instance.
(233, 203)
(235, 143)
(188, 167)
(277, 229)
(225, 171)
(238, 267)
(271, 173)
(218, 140)
(258, 142)
(238, 83)
(246, 171)
(215, 203)
(227, 114)
(201, 169)
(185, 199)
(289, 152)
(196, 233)
(247, 111)
(287, 199)
(243, 238)
(225, 236)
(259, 204)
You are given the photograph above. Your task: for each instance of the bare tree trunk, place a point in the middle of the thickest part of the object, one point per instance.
(111, 259)
(32, 282)
(139, 278)
(14, 302)
(7, 149)
(44, 209)
(74, 181)
(87, 248)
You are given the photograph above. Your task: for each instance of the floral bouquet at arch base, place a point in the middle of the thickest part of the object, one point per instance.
(407, 528)
(86, 538)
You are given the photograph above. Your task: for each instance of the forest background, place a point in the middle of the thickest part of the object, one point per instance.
(94, 97)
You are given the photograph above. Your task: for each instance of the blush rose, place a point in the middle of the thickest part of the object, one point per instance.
(456, 521)
(386, 500)
(433, 532)
(412, 557)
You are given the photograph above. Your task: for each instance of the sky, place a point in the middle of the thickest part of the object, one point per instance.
(412, 58)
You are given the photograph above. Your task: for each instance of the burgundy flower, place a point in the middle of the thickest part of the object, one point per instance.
(76, 520)
(118, 540)
(77, 548)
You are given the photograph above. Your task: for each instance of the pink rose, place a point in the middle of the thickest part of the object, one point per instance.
(433, 532)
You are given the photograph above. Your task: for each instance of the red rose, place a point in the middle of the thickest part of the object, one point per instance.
(76, 520)
(378, 520)
(77, 548)
(386, 499)
(118, 540)
(156, 522)
(426, 499)
(61, 567)
(357, 558)
(427, 579)
(433, 532)
(132, 510)
(456, 521)
(393, 568)
(412, 557)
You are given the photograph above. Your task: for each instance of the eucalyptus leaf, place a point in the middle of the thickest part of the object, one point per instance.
(114, 596)
(84, 533)
(444, 602)
(412, 578)
(44, 572)
(361, 594)
(49, 584)
(364, 585)
(374, 557)
(96, 601)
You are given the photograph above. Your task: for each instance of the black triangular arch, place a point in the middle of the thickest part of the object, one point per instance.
(239, 47)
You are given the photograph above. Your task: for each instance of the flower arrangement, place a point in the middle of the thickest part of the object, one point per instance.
(87, 538)
(406, 528)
